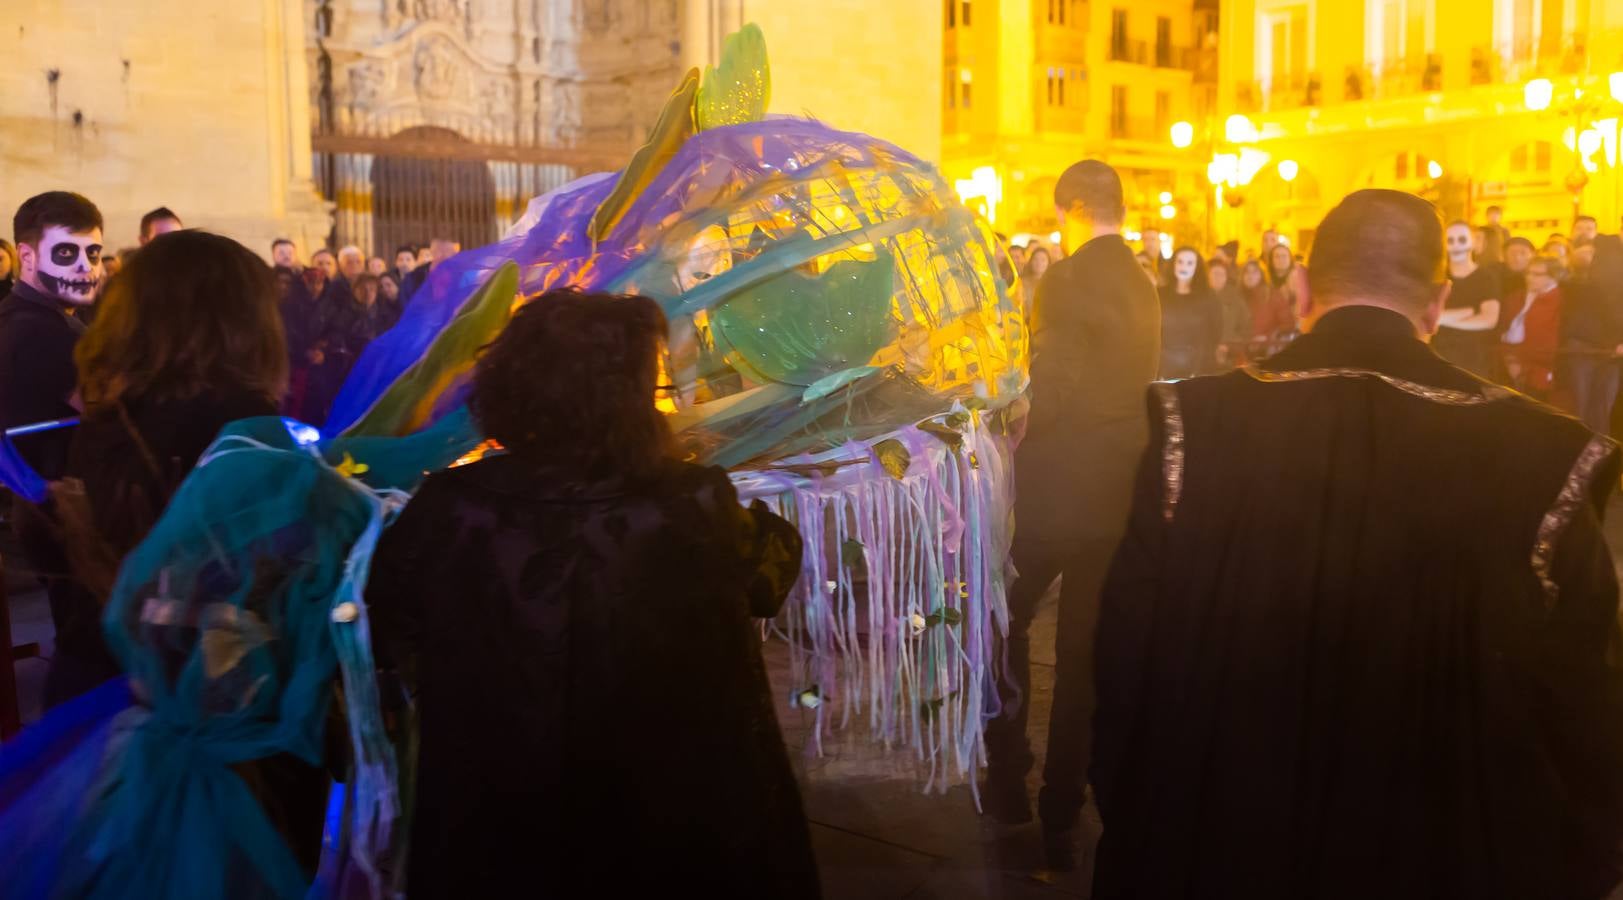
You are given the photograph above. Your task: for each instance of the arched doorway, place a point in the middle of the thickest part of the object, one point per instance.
(416, 198)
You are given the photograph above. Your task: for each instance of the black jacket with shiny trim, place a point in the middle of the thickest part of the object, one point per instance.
(1359, 639)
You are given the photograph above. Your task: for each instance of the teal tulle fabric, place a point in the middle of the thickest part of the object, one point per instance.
(233, 619)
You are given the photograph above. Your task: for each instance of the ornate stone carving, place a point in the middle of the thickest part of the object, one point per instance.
(454, 11)
(437, 69)
(600, 15)
(576, 72)
(565, 112)
(496, 99)
(367, 83)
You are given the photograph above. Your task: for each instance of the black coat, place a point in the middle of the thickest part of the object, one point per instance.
(594, 711)
(1096, 329)
(1357, 640)
(37, 373)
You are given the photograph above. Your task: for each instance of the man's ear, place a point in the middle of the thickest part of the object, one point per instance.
(27, 259)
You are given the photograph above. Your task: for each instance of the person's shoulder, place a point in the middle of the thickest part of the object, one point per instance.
(710, 484)
(1533, 421)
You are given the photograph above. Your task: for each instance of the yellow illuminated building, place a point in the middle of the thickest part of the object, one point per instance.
(1470, 103)
(1031, 86)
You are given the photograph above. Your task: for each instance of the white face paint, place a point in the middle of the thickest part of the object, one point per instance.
(67, 265)
(1459, 243)
(1183, 267)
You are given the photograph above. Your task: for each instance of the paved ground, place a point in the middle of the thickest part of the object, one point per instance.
(878, 836)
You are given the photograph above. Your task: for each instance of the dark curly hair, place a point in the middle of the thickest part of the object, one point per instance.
(570, 382)
(192, 312)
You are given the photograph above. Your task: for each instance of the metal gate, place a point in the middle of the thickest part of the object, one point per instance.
(415, 199)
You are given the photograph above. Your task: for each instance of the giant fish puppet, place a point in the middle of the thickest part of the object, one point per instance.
(840, 341)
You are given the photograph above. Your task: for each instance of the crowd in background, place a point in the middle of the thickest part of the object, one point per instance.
(336, 305)
(1543, 318)
(332, 305)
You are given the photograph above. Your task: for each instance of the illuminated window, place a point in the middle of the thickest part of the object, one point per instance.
(1282, 46)
(965, 82)
(1531, 159)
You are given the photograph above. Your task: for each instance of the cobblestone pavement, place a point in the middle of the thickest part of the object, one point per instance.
(878, 835)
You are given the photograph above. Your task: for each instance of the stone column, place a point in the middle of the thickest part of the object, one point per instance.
(303, 215)
(354, 195)
(504, 178)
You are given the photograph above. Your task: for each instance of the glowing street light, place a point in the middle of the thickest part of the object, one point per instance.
(1538, 93)
(1239, 130)
(1223, 168)
(1166, 197)
(1434, 169)
(985, 185)
(1614, 82)
(1288, 169)
(1183, 134)
(1169, 211)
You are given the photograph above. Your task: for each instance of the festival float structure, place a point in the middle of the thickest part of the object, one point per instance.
(840, 341)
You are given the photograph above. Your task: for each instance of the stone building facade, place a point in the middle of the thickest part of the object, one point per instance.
(379, 121)
(443, 117)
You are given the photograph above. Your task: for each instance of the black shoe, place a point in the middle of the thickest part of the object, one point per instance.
(1005, 800)
(1059, 849)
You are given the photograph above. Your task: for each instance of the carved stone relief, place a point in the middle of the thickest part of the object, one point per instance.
(437, 69)
(579, 71)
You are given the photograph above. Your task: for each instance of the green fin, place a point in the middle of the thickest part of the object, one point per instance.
(737, 90)
(406, 405)
(675, 126)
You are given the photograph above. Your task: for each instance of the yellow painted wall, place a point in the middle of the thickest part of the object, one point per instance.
(1470, 124)
(197, 106)
(858, 65)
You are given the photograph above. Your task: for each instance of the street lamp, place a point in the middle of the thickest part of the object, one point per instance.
(1585, 105)
(1537, 94)
(1183, 135)
(1288, 170)
(1240, 130)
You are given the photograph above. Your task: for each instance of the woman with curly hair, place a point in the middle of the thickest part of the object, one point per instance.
(573, 617)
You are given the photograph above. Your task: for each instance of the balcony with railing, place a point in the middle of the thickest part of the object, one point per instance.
(1160, 56)
(1523, 60)
(1416, 75)
(1144, 129)
(1129, 51)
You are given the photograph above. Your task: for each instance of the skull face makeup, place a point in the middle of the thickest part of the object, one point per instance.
(1184, 265)
(67, 265)
(1459, 243)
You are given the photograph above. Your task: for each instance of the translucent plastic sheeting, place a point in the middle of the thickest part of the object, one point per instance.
(821, 285)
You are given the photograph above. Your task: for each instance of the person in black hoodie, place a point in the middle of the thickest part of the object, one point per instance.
(60, 271)
(1592, 335)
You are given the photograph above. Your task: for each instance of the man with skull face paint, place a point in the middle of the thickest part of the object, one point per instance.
(1468, 333)
(59, 246)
